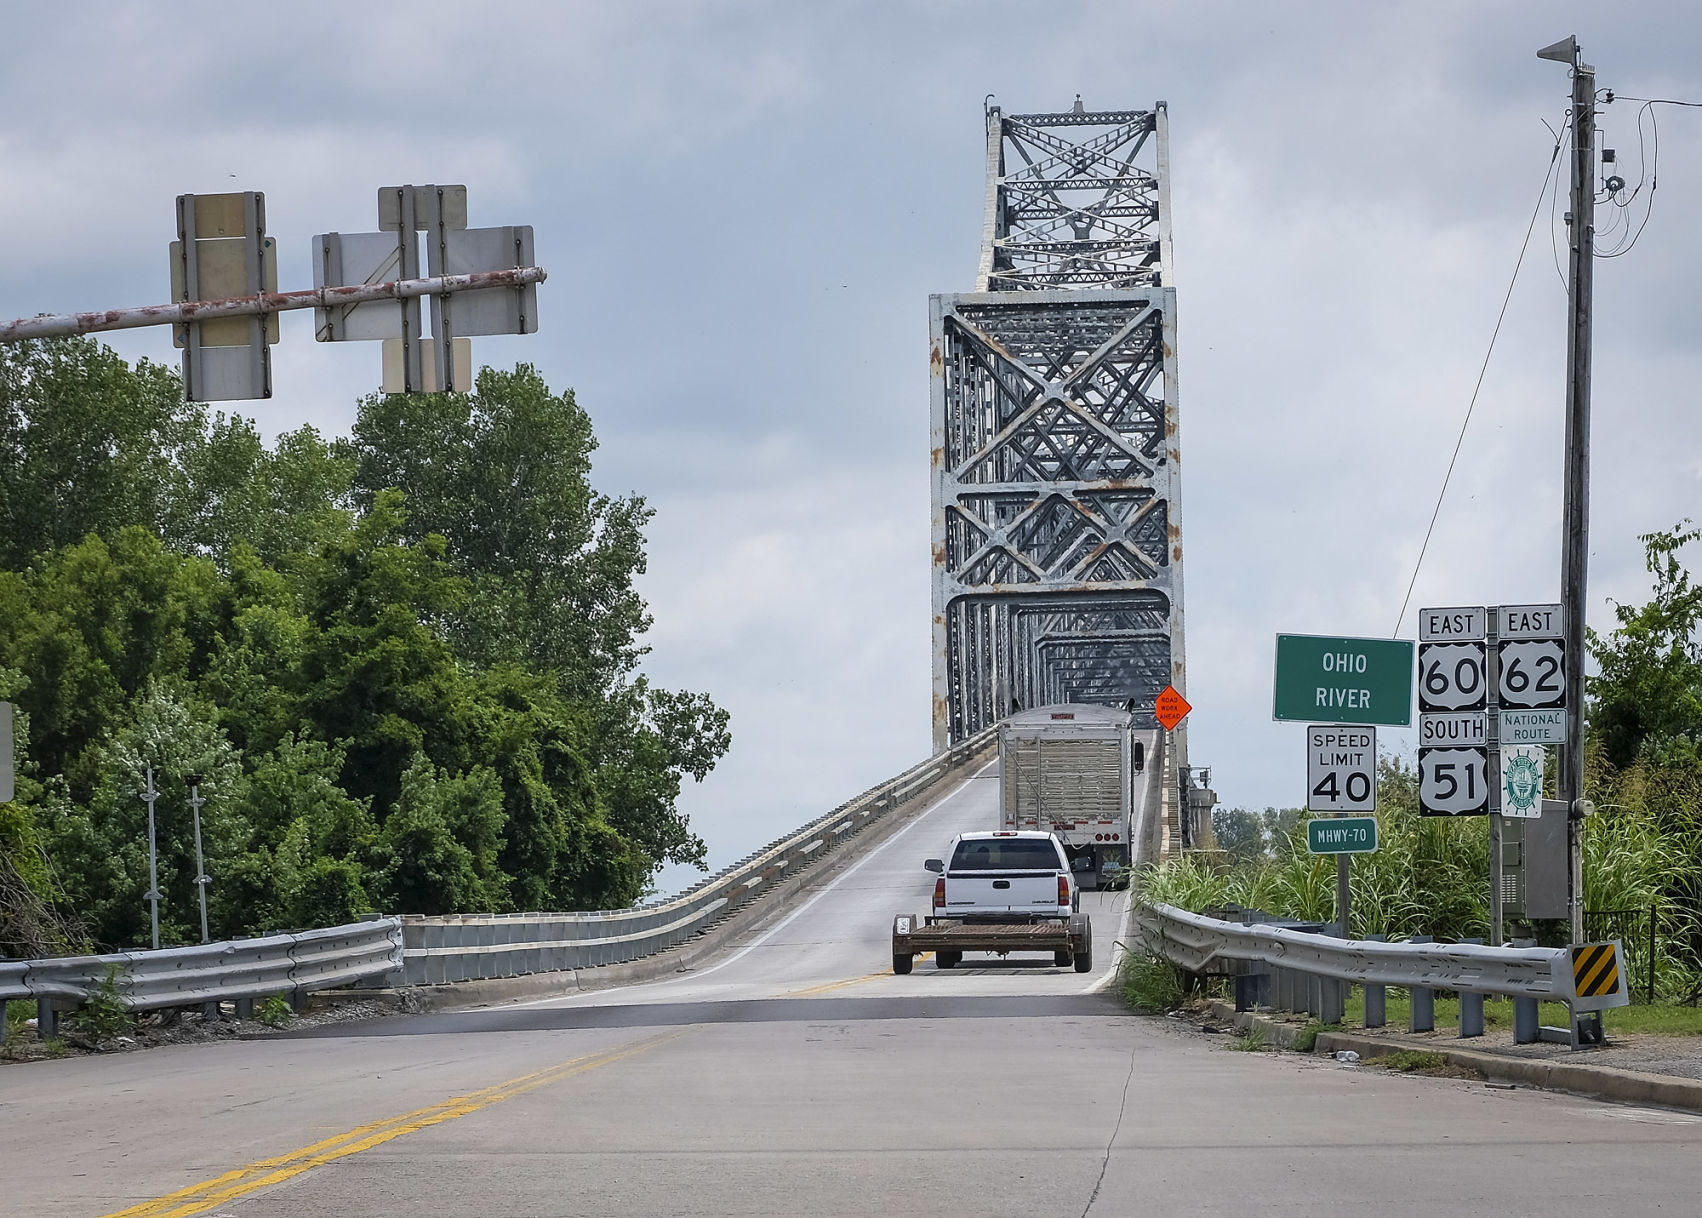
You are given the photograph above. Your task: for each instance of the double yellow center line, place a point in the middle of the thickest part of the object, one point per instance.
(210, 1194)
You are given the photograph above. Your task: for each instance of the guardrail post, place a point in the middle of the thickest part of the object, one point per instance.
(1252, 990)
(1471, 1008)
(46, 1019)
(1314, 994)
(1376, 996)
(1527, 1015)
(244, 1008)
(1422, 1006)
(1332, 991)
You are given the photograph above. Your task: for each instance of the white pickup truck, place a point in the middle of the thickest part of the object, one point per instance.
(1006, 891)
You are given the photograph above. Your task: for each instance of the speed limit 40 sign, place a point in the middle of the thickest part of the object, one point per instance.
(1341, 768)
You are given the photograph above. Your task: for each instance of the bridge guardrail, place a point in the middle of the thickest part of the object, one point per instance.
(1310, 971)
(475, 947)
(1194, 942)
(418, 949)
(240, 969)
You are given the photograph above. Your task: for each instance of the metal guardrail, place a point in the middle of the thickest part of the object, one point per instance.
(470, 947)
(420, 949)
(1194, 942)
(1309, 970)
(240, 969)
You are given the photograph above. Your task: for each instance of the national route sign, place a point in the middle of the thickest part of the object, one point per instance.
(1323, 678)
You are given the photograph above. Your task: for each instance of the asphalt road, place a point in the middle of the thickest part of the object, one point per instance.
(795, 1075)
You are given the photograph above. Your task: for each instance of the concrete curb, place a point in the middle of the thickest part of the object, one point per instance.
(772, 904)
(1596, 1082)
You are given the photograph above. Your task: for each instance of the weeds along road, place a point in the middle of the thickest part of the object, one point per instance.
(796, 1075)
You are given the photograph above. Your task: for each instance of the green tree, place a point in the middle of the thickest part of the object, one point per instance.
(88, 444)
(503, 476)
(1647, 698)
(405, 665)
(1239, 832)
(277, 502)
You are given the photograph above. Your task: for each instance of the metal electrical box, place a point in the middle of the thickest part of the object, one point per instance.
(1534, 864)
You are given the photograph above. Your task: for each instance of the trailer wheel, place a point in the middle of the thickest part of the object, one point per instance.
(901, 962)
(1081, 940)
(1061, 959)
(945, 959)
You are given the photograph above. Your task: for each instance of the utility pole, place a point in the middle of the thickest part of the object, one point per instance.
(1575, 538)
(153, 898)
(202, 879)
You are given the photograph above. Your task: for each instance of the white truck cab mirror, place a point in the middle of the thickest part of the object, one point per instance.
(935, 865)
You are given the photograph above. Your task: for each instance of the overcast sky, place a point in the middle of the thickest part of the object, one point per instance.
(744, 206)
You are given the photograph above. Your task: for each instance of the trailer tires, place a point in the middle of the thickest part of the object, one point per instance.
(945, 959)
(1081, 941)
(1062, 959)
(902, 962)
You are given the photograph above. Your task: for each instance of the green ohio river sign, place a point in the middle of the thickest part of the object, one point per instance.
(1330, 680)
(1342, 835)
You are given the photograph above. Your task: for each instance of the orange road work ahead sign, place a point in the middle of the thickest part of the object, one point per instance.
(1172, 708)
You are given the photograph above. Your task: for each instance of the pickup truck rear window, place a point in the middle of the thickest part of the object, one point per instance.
(1006, 854)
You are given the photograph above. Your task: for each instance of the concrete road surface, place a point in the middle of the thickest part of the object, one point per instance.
(796, 1075)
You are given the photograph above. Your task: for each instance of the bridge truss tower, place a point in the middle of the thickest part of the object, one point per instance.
(1057, 532)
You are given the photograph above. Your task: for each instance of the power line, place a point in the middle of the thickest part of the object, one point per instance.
(1472, 405)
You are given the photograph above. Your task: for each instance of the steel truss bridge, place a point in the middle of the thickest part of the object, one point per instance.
(1057, 532)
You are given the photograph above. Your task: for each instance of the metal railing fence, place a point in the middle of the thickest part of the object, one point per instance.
(1638, 929)
(1310, 970)
(418, 949)
(242, 970)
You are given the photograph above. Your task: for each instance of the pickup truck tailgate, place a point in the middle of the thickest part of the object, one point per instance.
(996, 892)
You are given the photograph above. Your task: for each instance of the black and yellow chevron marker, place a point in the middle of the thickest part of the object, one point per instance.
(1595, 970)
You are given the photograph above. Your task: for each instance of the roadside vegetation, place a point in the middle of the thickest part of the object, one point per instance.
(401, 668)
(1429, 876)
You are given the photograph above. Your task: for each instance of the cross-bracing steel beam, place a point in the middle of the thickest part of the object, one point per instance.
(1057, 538)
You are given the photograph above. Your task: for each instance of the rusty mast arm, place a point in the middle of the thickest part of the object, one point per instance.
(64, 324)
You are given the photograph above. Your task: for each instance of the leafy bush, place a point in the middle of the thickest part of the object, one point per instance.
(275, 1012)
(101, 1018)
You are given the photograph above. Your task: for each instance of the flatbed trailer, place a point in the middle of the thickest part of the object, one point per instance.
(1070, 942)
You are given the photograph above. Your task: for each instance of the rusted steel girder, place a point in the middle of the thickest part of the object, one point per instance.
(65, 324)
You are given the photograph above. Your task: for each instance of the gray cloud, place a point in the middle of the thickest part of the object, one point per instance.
(743, 207)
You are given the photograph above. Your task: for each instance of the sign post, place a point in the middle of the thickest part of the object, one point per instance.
(1357, 683)
(1492, 692)
(1341, 776)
